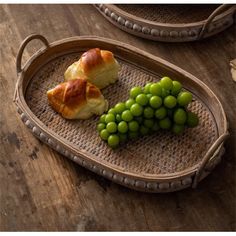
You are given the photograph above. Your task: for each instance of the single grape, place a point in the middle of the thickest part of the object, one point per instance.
(133, 135)
(184, 98)
(161, 113)
(170, 101)
(156, 126)
(143, 130)
(148, 112)
(165, 123)
(123, 137)
(127, 115)
(155, 101)
(135, 91)
(104, 134)
(119, 107)
(122, 127)
(139, 119)
(102, 118)
(113, 140)
(109, 118)
(142, 99)
(177, 129)
(100, 127)
(166, 83)
(149, 123)
(129, 103)
(177, 86)
(192, 119)
(180, 116)
(165, 93)
(111, 127)
(118, 118)
(156, 89)
(147, 88)
(136, 109)
(112, 111)
(149, 95)
(133, 126)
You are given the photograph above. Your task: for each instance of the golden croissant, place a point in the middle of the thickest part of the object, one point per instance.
(77, 99)
(98, 66)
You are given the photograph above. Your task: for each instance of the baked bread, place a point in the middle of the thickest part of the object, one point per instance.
(77, 99)
(98, 66)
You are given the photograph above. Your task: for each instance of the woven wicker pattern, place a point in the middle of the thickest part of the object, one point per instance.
(160, 153)
(170, 13)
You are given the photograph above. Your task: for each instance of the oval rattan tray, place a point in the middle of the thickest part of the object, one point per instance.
(169, 23)
(161, 162)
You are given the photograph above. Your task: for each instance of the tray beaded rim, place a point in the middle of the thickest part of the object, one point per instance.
(219, 20)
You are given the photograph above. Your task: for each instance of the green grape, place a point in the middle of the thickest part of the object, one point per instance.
(113, 140)
(135, 91)
(104, 134)
(102, 118)
(170, 101)
(111, 127)
(155, 101)
(142, 99)
(148, 112)
(177, 129)
(147, 88)
(136, 109)
(139, 119)
(177, 86)
(156, 126)
(166, 83)
(143, 130)
(129, 103)
(122, 127)
(180, 116)
(118, 118)
(100, 126)
(109, 118)
(184, 98)
(164, 93)
(149, 123)
(127, 115)
(119, 107)
(133, 135)
(123, 137)
(112, 111)
(165, 123)
(149, 95)
(192, 119)
(161, 113)
(156, 89)
(133, 126)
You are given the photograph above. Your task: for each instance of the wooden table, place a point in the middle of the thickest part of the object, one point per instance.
(42, 190)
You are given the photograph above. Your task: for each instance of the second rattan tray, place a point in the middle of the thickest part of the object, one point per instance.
(161, 162)
(169, 23)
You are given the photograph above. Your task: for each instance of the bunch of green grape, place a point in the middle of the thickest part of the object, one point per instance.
(160, 105)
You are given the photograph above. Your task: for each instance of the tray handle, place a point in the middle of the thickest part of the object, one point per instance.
(216, 12)
(208, 156)
(20, 53)
(24, 44)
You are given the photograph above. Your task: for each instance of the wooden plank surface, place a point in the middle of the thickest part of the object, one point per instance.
(42, 190)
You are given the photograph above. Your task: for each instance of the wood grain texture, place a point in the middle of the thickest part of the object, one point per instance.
(42, 190)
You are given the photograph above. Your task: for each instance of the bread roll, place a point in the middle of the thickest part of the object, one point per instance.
(98, 66)
(77, 99)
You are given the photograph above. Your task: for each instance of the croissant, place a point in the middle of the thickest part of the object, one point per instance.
(77, 99)
(98, 66)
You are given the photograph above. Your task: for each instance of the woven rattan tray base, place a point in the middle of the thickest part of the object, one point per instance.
(159, 162)
(169, 23)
